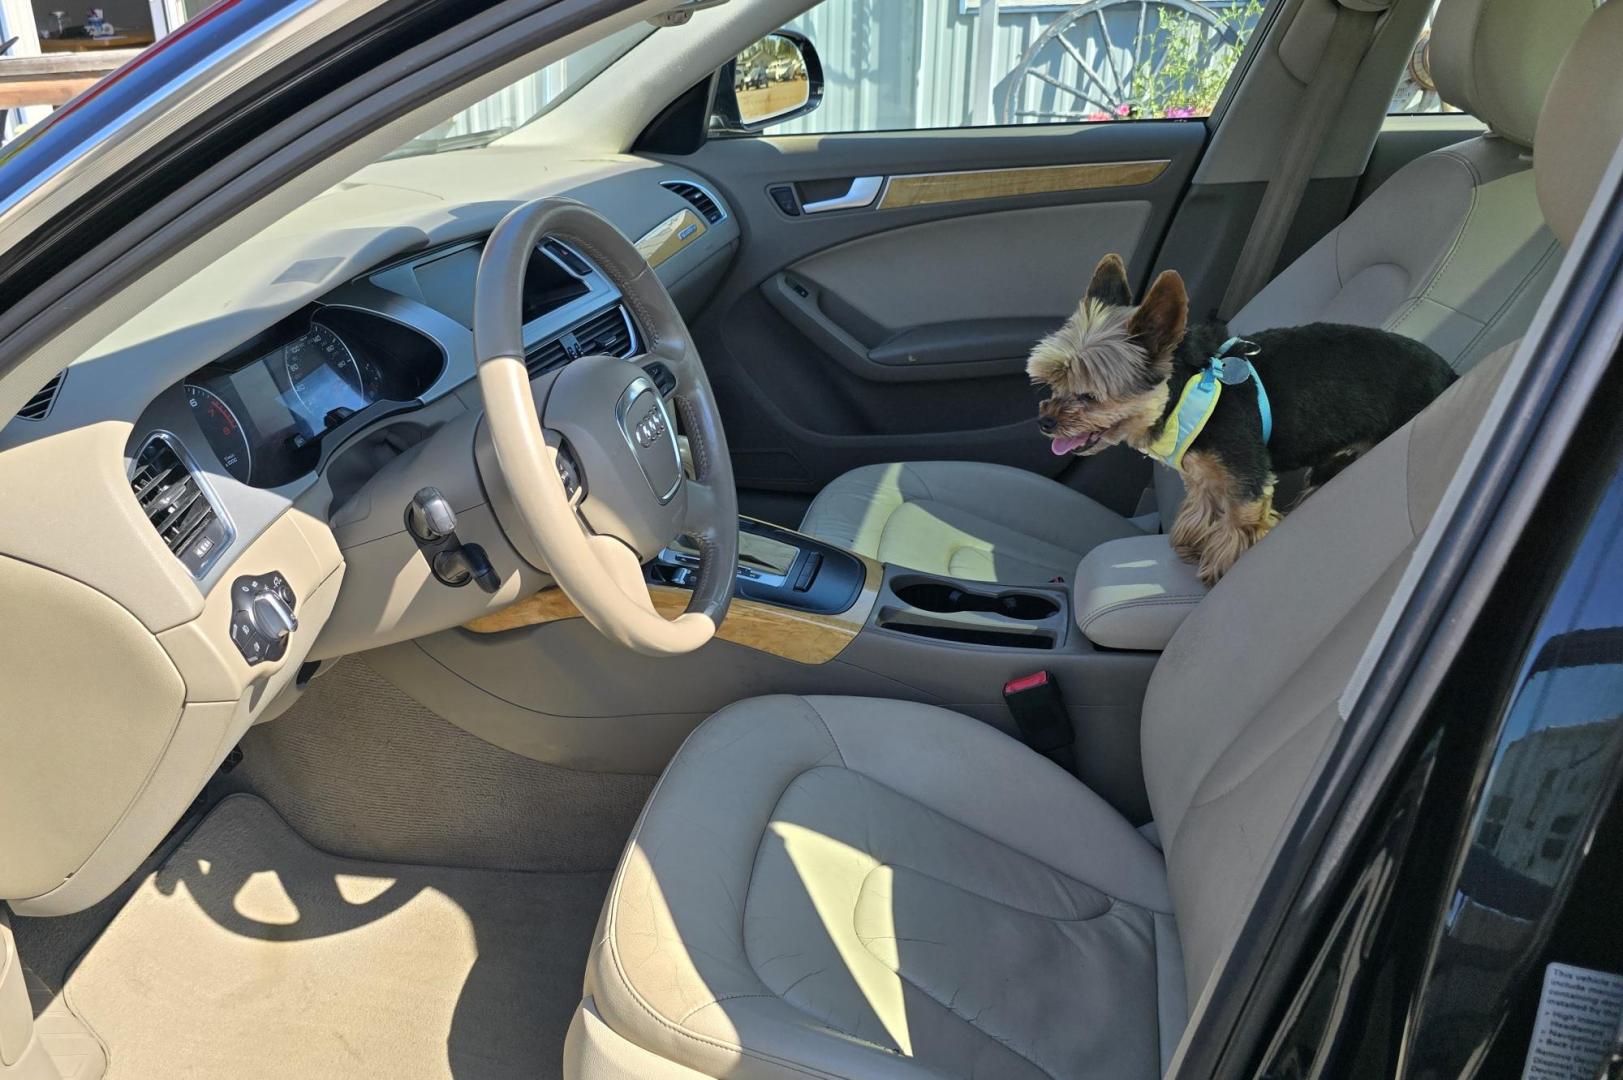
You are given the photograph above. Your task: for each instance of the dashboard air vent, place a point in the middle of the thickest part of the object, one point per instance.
(702, 200)
(39, 406)
(576, 264)
(177, 506)
(607, 333)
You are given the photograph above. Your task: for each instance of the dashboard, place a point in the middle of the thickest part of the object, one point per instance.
(216, 489)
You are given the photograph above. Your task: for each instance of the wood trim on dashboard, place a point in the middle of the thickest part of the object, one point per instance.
(802, 636)
(670, 236)
(925, 189)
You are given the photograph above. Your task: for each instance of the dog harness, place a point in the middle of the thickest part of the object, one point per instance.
(1198, 400)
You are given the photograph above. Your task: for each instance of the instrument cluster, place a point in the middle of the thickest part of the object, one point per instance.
(265, 407)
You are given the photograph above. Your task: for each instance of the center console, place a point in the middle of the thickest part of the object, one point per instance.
(799, 573)
(776, 566)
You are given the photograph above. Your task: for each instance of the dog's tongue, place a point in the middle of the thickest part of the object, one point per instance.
(1064, 446)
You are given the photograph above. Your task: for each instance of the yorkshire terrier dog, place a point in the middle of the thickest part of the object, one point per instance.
(1227, 413)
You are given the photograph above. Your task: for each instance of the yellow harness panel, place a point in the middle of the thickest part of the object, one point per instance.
(1195, 406)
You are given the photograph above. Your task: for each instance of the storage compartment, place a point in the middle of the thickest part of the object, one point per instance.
(968, 635)
(973, 613)
(941, 596)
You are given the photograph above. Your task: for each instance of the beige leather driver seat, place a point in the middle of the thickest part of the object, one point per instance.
(827, 886)
(1451, 251)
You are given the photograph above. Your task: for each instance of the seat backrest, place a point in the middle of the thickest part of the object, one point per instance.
(1451, 250)
(1246, 696)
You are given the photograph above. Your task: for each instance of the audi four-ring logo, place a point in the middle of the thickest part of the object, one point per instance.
(651, 429)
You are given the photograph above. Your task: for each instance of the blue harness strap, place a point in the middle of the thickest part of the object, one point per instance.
(1235, 368)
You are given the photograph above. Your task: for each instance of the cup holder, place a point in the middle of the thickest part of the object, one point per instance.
(943, 598)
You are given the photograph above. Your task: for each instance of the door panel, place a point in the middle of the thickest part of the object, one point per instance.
(897, 329)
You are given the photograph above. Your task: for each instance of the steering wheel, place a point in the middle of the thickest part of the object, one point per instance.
(608, 419)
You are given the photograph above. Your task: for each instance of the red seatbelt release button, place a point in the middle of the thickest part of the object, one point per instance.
(1025, 682)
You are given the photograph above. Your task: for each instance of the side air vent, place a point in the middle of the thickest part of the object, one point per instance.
(177, 505)
(702, 200)
(607, 333)
(39, 406)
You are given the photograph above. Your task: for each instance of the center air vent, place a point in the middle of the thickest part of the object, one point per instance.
(39, 406)
(178, 507)
(608, 333)
(704, 202)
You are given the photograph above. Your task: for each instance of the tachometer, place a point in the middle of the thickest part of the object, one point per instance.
(222, 429)
(325, 375)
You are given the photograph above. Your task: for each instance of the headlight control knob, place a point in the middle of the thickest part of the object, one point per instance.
(272, 618)
(262, 616)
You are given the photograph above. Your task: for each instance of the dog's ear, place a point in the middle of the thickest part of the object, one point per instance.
(1160, 321)
(1109, 285)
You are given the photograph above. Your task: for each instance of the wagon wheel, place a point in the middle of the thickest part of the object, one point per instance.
(1093, 60)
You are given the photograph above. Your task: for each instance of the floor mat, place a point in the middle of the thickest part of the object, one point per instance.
(250, 954)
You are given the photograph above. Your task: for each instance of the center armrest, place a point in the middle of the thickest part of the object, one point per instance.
(1134, 593)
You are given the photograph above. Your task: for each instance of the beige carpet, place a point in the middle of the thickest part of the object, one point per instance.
(361, 769)
(252, 955)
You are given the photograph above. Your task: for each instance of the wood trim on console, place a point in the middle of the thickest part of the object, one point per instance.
(924, 189)
(802, 636)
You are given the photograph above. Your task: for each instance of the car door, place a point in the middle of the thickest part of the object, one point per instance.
(908, 240)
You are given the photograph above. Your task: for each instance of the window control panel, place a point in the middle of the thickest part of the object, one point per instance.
(262, 616)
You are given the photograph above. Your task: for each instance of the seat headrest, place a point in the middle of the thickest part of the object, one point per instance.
(1582, 122)
(1495, 58)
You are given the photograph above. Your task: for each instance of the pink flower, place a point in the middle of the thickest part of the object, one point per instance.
(1094, 117)
(1180, 112)
(1123, 111)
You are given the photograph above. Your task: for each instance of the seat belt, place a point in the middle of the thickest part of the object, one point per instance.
(1039, 712)
(1349, 38)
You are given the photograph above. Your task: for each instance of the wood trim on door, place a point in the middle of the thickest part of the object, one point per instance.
(925, 189)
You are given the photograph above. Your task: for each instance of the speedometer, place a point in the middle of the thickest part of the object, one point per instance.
(325, 375)
(222, 429)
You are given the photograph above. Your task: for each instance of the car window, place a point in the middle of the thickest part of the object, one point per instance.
(940, 64)
(526, 100)
(1416, 93)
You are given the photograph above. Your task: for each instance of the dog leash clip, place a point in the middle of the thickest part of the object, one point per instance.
(1232, 364)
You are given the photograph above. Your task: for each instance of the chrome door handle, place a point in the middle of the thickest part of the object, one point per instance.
(864, 190)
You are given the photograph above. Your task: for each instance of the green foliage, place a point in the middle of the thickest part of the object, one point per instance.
(1186, 70)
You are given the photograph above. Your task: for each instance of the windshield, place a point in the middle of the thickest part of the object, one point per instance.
(526, 100)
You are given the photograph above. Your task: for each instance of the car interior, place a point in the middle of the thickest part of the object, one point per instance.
(592, 600)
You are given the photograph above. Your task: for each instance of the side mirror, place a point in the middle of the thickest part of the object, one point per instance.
(778, 78)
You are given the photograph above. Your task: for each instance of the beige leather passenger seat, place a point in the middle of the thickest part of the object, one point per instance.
(1452, 251)
(846, 887)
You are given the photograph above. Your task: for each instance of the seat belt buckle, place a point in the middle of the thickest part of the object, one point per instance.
(1039, 711)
